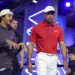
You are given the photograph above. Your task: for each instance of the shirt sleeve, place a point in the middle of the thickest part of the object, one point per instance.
(33, 35)
(61, 38)
(3, 40)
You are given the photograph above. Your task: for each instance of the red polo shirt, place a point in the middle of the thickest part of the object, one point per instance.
(46, 37)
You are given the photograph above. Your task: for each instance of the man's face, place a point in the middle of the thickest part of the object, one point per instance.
(14, 24)
(49, 16)
(7, 18)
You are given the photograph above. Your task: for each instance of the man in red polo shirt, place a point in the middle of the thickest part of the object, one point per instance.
(46, 35)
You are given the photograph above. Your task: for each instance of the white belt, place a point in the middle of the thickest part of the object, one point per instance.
(49, 54)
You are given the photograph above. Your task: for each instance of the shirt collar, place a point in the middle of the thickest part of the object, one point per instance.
(52, 24)
(4, 27)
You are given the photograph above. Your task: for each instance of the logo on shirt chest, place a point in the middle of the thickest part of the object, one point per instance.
(55, 30)
(55, 34)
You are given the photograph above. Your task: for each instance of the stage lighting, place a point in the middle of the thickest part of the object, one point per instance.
(35, 1)
(68, 4)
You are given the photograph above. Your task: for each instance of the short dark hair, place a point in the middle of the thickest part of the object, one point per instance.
(14, 19)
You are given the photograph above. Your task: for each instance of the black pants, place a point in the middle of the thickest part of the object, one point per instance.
(72, 67)
(16, 67)
(16, 70)
(72, 73)
(6, 72)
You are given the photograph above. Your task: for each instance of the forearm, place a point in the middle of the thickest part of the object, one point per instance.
(30, 51)
(22, 55)
(64, 52)
(25, 49)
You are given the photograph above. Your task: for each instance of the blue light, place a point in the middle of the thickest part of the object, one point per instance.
(68, 4)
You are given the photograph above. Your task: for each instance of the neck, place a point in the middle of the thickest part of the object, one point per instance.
(4, 25)
(48, 22)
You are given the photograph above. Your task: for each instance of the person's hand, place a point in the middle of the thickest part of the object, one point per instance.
(22, 44)
(68, 72)
(21, 63)
(29, 67)
(72, 57)
(13, 45)
(65, 64)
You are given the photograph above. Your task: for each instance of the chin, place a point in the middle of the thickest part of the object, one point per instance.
(50, 21)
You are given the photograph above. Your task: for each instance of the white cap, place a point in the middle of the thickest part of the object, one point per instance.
(5, 11)
(49, 8)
